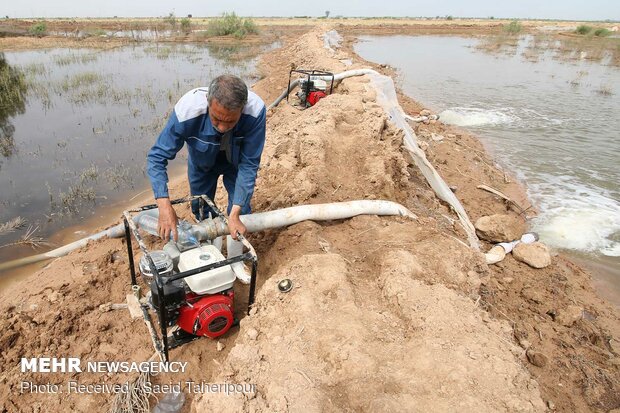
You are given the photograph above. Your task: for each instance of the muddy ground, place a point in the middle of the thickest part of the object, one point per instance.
(387, 314)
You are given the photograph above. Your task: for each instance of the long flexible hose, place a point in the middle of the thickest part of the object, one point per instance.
(254, 222)
(387, 98)
(113, 232)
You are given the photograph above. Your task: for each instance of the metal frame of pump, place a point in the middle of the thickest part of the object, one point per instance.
(308, 84)
(162, 346)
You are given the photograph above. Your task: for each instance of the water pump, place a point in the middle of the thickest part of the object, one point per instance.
(201, 304)
(313, 86)
(190, 285)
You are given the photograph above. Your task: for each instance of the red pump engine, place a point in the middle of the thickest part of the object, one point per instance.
(313, 86)
(201, 304)
(315, 96)
(207, 315)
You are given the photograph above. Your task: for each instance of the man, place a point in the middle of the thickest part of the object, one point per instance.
(224, 128)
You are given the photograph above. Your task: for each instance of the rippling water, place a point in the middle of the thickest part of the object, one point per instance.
(77, 140)
(555, 123)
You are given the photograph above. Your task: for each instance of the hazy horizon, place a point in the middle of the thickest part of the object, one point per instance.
(595, 10)
(195, 16)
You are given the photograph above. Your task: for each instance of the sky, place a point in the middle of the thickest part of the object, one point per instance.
(542, 9)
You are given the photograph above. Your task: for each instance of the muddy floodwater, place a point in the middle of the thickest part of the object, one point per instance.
(550, 116)
(75, 127)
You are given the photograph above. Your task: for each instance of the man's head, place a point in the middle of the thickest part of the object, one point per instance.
(227, 97)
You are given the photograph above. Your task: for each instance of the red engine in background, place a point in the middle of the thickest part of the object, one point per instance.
(207, 315)
(315, 96)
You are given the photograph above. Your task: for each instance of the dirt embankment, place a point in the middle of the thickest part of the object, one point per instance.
(582, 369)
(580, 372)
(387, 314)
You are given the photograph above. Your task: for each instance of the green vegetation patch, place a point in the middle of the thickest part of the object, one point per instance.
(80, 80)
(584, 29)
(38, 29)
(74, 58)
(589, 30)
(231, 24)
(13, 89)
(513, 27)
(602, 32)
(186, 25)
(171, 19)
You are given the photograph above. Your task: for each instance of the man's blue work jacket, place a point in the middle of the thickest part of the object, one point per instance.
(190, 123)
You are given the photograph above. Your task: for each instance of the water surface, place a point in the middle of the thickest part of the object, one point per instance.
(552, 121)
(75, 138)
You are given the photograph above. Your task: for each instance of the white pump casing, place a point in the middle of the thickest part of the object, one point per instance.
(317, 83)
(208, 282)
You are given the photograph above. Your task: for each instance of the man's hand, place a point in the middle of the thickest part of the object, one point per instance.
(167, 219)
(234, 223)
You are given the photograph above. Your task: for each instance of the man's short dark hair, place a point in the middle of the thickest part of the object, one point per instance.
(229, 91)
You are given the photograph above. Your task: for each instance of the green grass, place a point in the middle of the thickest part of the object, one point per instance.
(40, 90)
(96, 32)
(589, 30)
(583, 29)
(171, 20)
(71, 200)
(602, 32)
(186, 25)
(38, 29)
(34, 69)
(13, 90)
(513, 27)
(161, 52)
(7, 145)
(66, 60)
(80, 80)
(119, 176)
(231, 24)
(89, 174)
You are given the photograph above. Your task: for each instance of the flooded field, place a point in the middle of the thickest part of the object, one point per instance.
(547, 113)
(76, 126)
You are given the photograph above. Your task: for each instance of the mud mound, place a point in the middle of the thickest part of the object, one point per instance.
(336, 343)
(339, 150)
(364, 240)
